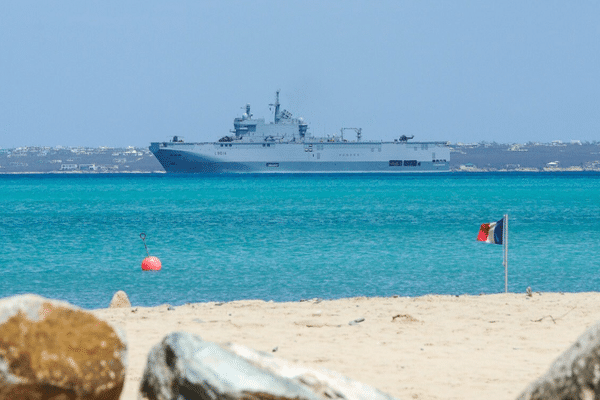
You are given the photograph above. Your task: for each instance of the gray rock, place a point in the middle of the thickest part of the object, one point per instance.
(52, 349)
(184, 366)
(575, 374)
(356, 321)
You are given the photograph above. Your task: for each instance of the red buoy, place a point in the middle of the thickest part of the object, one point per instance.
(151, 263)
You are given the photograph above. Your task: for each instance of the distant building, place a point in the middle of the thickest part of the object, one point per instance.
(88, 167)
(467, 167)
(68, 167)
(516, 147)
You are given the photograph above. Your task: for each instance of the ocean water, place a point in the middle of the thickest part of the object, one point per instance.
(293, 237)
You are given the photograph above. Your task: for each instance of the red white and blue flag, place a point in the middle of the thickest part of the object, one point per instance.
(492, 232)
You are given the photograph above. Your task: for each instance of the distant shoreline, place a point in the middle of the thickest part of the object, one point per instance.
(461, 171)
(478, 158)
(81, 173)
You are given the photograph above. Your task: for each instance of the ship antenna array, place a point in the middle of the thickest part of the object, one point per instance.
(357, 130)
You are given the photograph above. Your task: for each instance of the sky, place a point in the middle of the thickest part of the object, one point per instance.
(129, 72)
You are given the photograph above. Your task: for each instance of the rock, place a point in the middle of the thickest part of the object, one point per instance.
(184, 366)
(50, 349)
(120, 300)
(575, 374)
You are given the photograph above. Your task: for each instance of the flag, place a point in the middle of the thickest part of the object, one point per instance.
(492, 232)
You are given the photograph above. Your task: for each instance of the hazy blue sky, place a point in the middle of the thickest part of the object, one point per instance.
(119, 73)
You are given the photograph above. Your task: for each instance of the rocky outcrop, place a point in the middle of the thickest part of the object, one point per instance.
(184, 365)
(573, 375)
(52, 349)
(120, 300)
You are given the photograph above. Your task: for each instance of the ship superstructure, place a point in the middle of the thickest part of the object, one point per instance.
(285, 145)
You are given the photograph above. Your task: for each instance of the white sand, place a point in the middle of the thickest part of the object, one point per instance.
(436, 347)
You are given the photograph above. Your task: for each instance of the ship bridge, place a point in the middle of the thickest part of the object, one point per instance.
(284, 127)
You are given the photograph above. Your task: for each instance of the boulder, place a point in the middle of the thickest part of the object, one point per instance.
(575, 374)
(50, 349)
(184, 366)
(120, 300)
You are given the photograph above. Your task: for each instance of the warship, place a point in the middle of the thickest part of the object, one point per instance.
(285, 146)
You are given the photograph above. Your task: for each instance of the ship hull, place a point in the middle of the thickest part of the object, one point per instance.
(356, 157)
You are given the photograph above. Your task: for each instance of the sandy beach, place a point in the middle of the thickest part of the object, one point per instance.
(430, 347)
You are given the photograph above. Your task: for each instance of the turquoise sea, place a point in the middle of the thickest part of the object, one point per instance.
(293, 237)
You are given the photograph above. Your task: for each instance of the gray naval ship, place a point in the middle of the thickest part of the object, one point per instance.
(285, 146)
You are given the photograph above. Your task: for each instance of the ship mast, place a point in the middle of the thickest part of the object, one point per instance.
(277, 116)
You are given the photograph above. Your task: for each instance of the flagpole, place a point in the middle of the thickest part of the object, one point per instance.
(505, 241)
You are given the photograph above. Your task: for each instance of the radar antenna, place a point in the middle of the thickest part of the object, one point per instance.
(277, 115)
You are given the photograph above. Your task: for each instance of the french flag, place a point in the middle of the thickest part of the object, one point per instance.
(492, 232)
